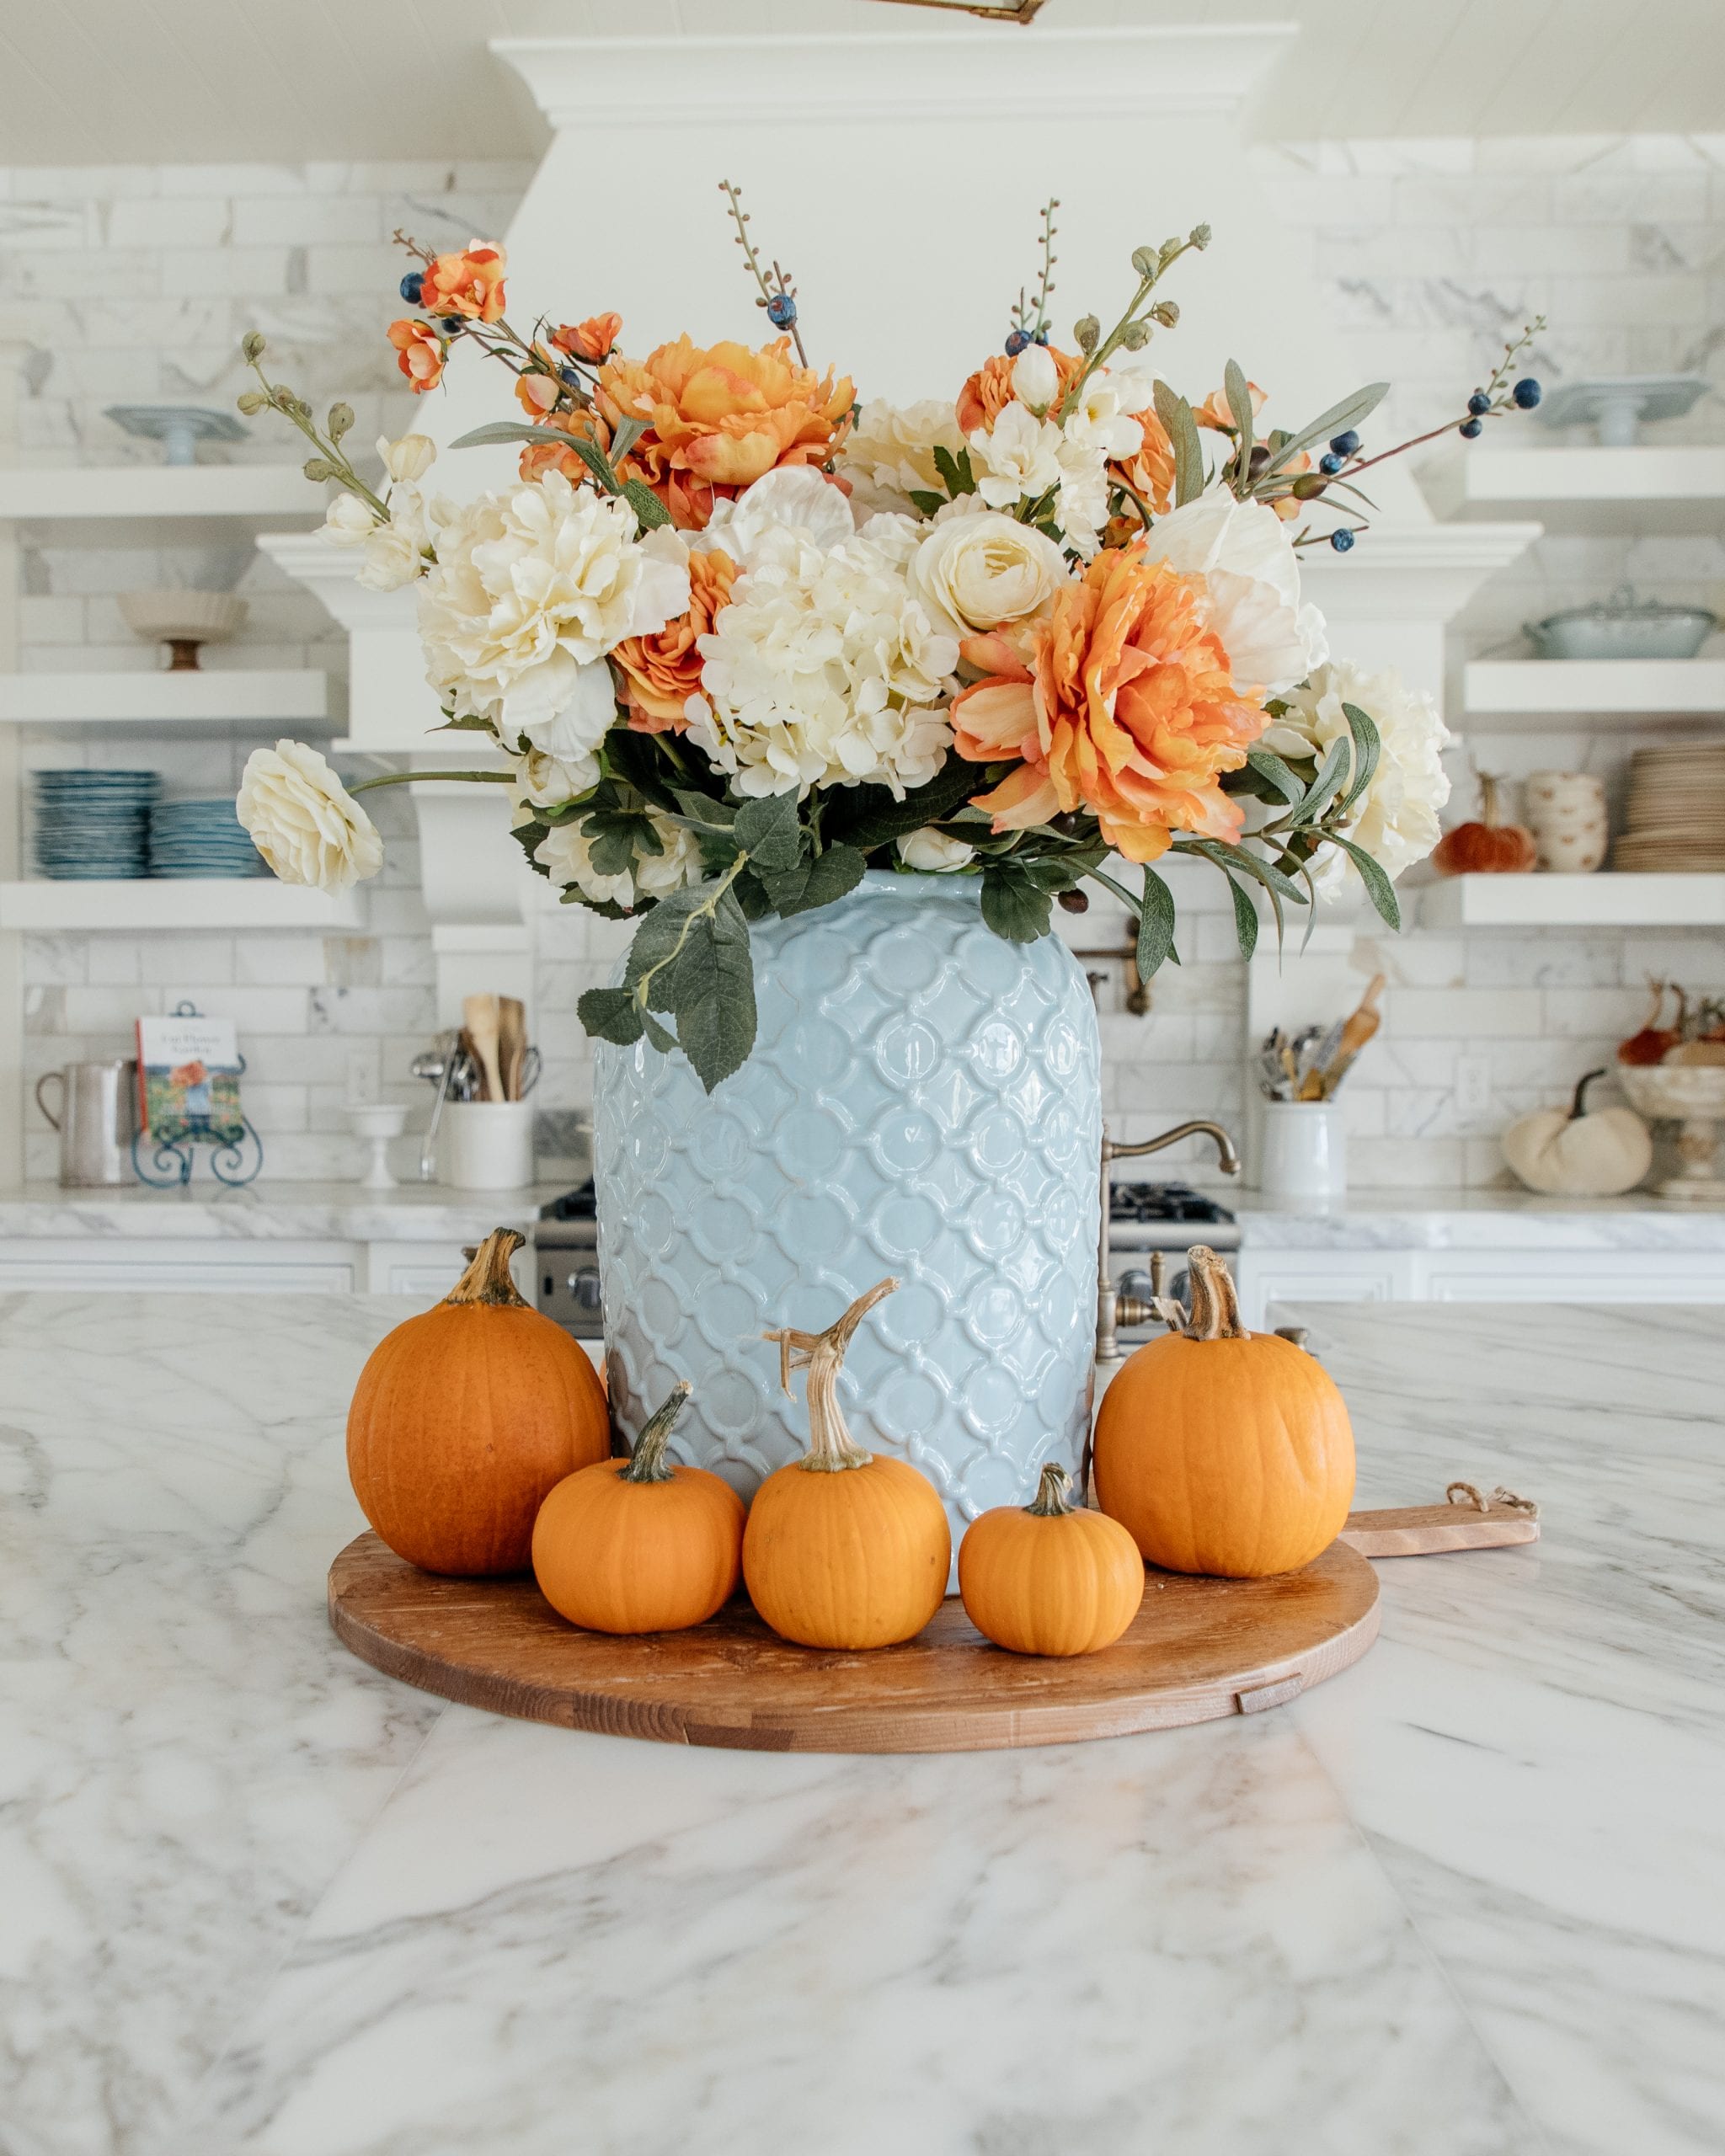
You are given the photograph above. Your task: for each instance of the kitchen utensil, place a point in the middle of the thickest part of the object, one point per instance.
(183, 620)
(1674, 811)
(488, 1145)
(1323, 1054)
(378, 1122)
(437, 1067)
(1622, 626)
(1617, 404)
(1303, 1151)
(1429, 1530)
(1361, 1025)
(201, 838)
(483, 1016)
(511, 1043)
(92, 823)
(97, 1119)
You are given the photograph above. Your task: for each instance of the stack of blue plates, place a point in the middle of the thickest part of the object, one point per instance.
(200, 838)
(93, 824)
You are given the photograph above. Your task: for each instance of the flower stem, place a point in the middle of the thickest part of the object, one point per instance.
(413, 778)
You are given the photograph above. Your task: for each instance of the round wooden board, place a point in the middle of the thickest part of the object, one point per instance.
(1197, 1649)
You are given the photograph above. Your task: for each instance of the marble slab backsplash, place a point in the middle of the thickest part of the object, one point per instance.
(1427, 253)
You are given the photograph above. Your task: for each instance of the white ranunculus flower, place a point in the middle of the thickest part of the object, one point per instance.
(889, 454)
(1036, 379)
(303, 820)
(395, 552)
(1395, 819)
(793, 499)
(934, 852)
(986, 572)
(348, 522)
(566, 852)
(543, 781)
(1243, 553)
(824, 670)
(408, 458)
(1019, 457)
(533, 585)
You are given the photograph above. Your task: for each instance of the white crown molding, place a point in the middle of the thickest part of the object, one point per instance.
(331, 571)
(1411, 572)
(591, 83)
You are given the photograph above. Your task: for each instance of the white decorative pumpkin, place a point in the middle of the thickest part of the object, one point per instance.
(1569, 1152)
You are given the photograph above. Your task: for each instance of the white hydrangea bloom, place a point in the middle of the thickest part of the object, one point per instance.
(566, 852)
(824, 670)
(1395, 819)
(889, 454)
(1252, 573)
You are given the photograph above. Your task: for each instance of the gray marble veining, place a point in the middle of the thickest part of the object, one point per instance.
(256, 1901)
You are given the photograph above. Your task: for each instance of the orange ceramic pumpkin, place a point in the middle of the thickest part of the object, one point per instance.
(1487, 848)
(1045, 1578)
(843, 1549)
(639, 1546)
(1222, 1450)
(465, 1417)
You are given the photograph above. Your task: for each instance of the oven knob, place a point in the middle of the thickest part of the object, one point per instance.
(584, 1286)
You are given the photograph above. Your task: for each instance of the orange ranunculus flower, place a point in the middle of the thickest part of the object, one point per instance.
(989, 391)
(660, 673)
(1148, 471)
(1127, 708)
(470, 282)
(719, 419)
(553, 454)
(537, 394)
(594, 340)
(1215, 413)
(422, 355)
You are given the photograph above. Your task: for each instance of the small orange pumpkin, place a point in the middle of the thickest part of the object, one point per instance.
(639, 1546)
(1486, 848)
(1046, 1578)
(842, 1549)
(1222, 1450)
(466, 1417)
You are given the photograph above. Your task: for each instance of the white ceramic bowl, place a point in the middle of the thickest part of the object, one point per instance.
(1675, 1091)
(184, 617)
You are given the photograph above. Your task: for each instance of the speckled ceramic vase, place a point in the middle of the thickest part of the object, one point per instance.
(923, 1099)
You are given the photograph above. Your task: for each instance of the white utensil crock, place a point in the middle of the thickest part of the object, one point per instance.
(488, 1145)
(1304, 1152)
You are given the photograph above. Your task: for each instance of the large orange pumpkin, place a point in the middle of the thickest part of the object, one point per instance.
(466, 1417)
(637, 1544)
(843, 1549)
(1222, 1450)
(1047, 1578)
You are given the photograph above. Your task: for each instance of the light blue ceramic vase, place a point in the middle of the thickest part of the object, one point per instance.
(923, 1099)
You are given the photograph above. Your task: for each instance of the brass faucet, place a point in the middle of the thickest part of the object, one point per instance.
(1113, 1310)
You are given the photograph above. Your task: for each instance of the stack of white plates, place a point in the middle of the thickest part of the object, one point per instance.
(200, 838)
(1675, 820)
(92, 823)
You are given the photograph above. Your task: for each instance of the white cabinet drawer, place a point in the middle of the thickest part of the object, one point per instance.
(1569, 1276)
(1326, 1276)
(212, 1267)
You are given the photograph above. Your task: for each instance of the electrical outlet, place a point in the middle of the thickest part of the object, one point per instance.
(1473, 1088)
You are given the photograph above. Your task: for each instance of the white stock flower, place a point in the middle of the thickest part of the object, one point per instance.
(408, 458)
(1101, 420)
(348, 522)
(533, 586)
(1018, 458)
(934, 852)
(1081, 505)
(568, 853)
(824, 670)
(303, 820)
(395, 552)
(889, 454)
(1036, 379)
(793, 499)
(1395, 819)
(985, 571)
(1252, 573)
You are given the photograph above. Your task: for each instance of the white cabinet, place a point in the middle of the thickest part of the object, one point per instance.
(420, 1272)
(1270, 1277)
(1321, 1276)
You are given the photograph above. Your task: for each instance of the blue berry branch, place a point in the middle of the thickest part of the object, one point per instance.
(778, 295)
(1030, 324)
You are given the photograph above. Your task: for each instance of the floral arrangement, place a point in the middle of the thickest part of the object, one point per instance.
(739, 637)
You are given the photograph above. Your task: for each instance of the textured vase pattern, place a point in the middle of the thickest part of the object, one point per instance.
(923, 1099)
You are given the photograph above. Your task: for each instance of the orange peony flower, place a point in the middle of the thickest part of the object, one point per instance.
(719, 419)
(989, 391)
(1127, 708)
(422, 354)
(661, 672)
(470, 282)
(1215, 412)
(593, 339)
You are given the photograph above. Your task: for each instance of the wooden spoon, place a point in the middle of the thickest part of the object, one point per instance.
(484, 1024)
(512, 1044)
(1362, 1023)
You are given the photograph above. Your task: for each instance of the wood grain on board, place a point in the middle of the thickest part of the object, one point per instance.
(1428, 1530)
(1198, 1649)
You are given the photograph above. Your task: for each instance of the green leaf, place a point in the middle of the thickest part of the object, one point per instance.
(1012, 905)
(1330, 774)
(1245, 918)
(664, 1040)
(828, 877)
(752, 896)
(1269, 766)
(768, 831)
(657, 941)
(624, 437)
(529, 837)
(1155, 925)
(1337, 420)
(649, 512)
(495, 431)
(1175, 416)
(930, 503)
(1238, 392)
(638, 760)
(1378, 887)
(873, 819)
(967, 477)
(467, 725)
(701, 811)
(1368, 746)
(610, 1014)
(713, 982)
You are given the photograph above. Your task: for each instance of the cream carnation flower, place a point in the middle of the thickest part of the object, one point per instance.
(568, 853)
(889, 454)
(303, 820)
(824, 670)
(934, 852)
(1252, 573)
(792, 499)
(534, 585)
(985, 571)
(1395, 819)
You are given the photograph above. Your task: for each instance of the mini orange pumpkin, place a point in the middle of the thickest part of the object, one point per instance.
(1222, 1450)
(843, 1549)
(466, 1417)
(639, 1546)
(1487, 848)
(1046, 1578)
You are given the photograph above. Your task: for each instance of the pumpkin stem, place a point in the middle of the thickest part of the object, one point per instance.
(1215, 1308)
(487, 1279)
(646, 1462)
(832, 1447)
(1053, 1500)
(1578, 1106)
(1488, 801)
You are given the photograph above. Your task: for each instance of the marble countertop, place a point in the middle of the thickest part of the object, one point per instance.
(258, 1900)
(1475, 1219)
(279, 1211)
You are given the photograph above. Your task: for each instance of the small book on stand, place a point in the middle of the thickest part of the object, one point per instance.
(189, 1079)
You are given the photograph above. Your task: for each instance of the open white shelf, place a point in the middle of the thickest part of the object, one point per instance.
(259, 696)
(110, 500)
(1573, 688)
(1604, 901)
(208, 903)
(1586, 489)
